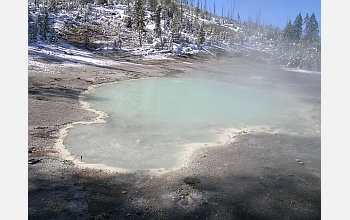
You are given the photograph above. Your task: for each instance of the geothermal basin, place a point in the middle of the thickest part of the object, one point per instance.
(153, 123)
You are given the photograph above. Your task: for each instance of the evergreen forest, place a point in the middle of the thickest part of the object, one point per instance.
(177, 27)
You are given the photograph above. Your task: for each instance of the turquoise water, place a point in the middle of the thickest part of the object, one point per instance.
(150, 120)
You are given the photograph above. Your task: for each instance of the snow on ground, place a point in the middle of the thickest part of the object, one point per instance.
(301, 71)
(149, 53)
(67, 54)
(152, 51)
(150, 27)
(157, 56)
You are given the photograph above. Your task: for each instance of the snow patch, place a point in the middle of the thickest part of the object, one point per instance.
(67, 54)
(302, 71)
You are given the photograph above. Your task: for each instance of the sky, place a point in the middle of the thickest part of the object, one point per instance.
(275, 12)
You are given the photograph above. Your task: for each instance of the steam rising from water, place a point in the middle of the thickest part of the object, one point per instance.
(151, 120)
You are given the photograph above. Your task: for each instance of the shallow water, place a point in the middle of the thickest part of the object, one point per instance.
(151, 120)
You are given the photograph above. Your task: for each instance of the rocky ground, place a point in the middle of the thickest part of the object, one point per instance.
(259, 175)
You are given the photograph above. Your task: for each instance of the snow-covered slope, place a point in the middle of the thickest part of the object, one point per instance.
(182, 30)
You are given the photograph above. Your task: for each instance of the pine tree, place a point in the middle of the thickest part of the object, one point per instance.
(128, 21)
(43, 21)
(102, 2)
(53, 36)
(222, 11)
(139, 19)
(32, 32)
(115, 45)
(312, 29)
(52, 6)
(214, 8)
(306, 19)
(32, 26)
(157, 28)
(152, 5)
(197, 9)
(119, 42)
(181, 11)
(128, 7)
(297, 28)
(201, 35)
(288, 32)
(87, 38)
(175, 30)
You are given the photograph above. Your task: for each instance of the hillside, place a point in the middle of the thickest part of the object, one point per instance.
(156, 29)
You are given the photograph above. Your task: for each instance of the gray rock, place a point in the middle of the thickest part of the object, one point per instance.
(192, 180)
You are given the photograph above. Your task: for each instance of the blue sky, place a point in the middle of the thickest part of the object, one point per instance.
(275, 12)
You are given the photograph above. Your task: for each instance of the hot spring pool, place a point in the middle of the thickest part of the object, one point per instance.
(151, 121)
